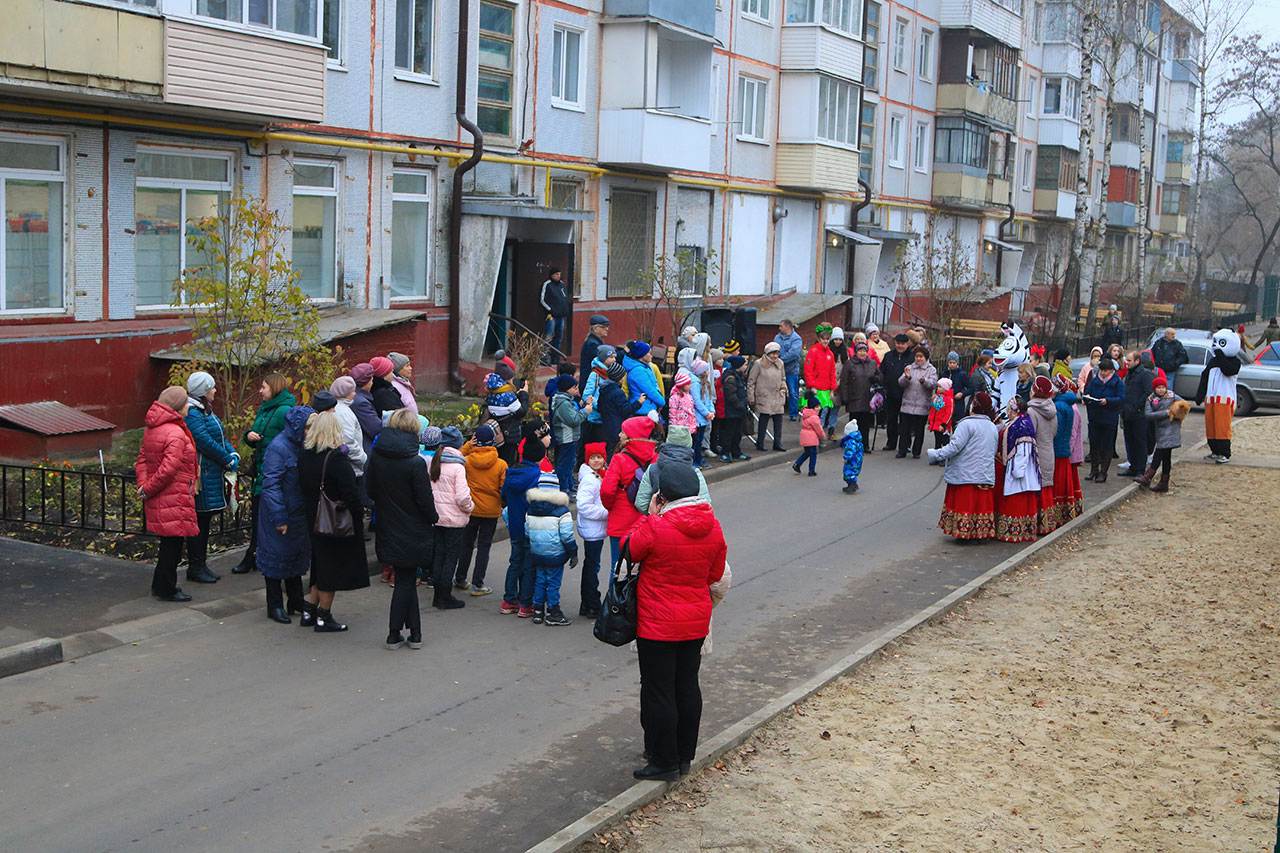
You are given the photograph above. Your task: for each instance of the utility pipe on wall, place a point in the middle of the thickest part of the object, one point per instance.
(455, 207)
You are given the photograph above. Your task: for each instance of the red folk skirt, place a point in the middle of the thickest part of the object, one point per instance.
(1017, 516)
(969, 511)
(1048, 517)
(1067, 494)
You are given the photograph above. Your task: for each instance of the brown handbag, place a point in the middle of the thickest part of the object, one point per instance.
(333, 518)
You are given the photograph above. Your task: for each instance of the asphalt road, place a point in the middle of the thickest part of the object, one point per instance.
(244, 734)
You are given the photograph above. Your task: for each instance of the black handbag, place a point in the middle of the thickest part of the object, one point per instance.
(616, 624)
(333, 518)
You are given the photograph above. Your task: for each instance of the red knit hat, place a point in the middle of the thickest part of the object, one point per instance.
(594, 448)
(381, 365)
(1160, 380)
(1042, 387)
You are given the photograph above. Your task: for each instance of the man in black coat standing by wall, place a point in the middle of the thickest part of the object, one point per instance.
(558, 305)
(895, 361)
(599, 331)
(1137, 388)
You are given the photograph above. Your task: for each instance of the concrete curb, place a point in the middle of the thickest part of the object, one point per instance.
(643, 793)
(30, 655)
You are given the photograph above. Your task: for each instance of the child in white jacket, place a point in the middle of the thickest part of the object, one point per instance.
(592, 520)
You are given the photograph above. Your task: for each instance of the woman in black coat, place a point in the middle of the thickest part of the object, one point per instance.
(735, 409)
(400, 487)
(337, 562)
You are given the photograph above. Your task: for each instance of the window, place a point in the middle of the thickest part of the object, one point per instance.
(1061, 97)
(901, 37)
(31, 193)
(175, 190)
(410, 233)
(1174, 151)
(837, 111)
(1033, 92)
(1182, 45)
(867, 142)
(300, 17)
(1057, 168)
(961, 142)
(566, 62)
(924, 56)
(415, 26)
(756, 9)
(1149, 69)
(1037, 23)
(1123, 185)
(920, 147)
(871, 53)
(841, 15)
(1125, 124)
(895, 141)
(752, 105)
(315, 228)
(331, 30)
(496, 80)
(1172, 205)
(631, 230)
(1026, 168)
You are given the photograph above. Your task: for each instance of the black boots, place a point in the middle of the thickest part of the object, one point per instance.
(1163, 485)
(277, 614)
(442, 598)
(177, 596)
(654, 773)
(326, 624)
(1101, 476)
(1093, 471)
(308, 619)
(201, 574)
(245, 566)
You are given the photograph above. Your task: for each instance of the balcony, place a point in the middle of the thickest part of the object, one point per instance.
(653, 139)
(814, 47)
(1057, 203)
(1124, 154)
(1059, 131)
(1171, 223)
(696, 15)
(978, 101)
(1121, 214)
(962, 187)
(1000, 20)
(60, 49)
(1179, 172)
(813, 165)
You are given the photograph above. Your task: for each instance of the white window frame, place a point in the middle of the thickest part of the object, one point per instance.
(894, 141)
(1033, 94)
(830, 14)
(337, 58)
(324, 192)
(514, 105)
(760, 90)
(244, 23)
(402, 73)
(757, 10)
(37, 175)
(562, 32)
(901, 43)
(831, 91)
(924, 55)
(427, 198)
(716, 71)
(141, 182)
(920, 147)
(1028, 166)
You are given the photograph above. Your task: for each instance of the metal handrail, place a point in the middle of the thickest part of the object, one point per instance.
(564, 356)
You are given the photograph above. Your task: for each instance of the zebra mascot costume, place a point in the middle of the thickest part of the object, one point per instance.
(1012, 352)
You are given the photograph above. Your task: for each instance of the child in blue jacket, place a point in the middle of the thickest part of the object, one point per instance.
(851, 446)
(549, 527)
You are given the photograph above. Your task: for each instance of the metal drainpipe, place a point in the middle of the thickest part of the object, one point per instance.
(455, 209)
(1008, 220)
(854, 210)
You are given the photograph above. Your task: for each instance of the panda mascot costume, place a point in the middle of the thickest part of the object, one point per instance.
(1012, 352)
(1217, 392)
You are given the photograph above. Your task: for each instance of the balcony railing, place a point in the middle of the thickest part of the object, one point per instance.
(978, 100)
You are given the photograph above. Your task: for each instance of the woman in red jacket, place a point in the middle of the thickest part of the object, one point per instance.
(820, 377)
(166, 479)
(681, 549)
(635, 451)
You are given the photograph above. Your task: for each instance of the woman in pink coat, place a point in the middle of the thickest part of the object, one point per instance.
(454, 507)
(166, 477)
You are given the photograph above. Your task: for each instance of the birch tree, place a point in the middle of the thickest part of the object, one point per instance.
(1079, 275)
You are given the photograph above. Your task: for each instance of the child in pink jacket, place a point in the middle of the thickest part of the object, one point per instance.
(680, 410)
(811, 435)
(453, 503)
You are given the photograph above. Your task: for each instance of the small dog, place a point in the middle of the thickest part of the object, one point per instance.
(1179, 409)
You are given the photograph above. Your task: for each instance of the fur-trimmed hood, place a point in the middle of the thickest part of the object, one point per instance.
(555, 497)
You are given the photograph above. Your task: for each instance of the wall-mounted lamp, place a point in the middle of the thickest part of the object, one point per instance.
(835, 241)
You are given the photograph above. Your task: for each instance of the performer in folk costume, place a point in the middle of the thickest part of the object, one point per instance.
(1012, 352)
(1068, 496)
(1017, 477)
(1217, 393)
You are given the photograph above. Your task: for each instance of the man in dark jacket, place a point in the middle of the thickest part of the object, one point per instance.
(598, 332)
(1137, 388)
(1112, 333)
(1169, 353)
(893, 364)
(558, 305)
(734, 382)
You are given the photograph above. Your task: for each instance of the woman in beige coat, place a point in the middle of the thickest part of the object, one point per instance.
(767, 394)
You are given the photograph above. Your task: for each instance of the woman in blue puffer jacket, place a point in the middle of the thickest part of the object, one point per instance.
(216, 455)
(284, 545)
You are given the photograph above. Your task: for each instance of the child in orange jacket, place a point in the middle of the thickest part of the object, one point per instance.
(941, 408)
(811, 435)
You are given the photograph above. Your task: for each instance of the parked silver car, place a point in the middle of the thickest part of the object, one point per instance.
(1258, 383)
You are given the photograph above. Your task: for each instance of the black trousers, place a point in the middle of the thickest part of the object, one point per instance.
(717, 434)
(670, 699)
(891, 411)
(404, 604)
(765, 423)
(911, 433)
(477, 537)
(164, 580)
(1163, 461)
(940, 440)
(276, 594)
(198, 545)
(866, 422)
(731, 437)
(444, 562)
(1135, 442)
(251, 554)
(1102, 441)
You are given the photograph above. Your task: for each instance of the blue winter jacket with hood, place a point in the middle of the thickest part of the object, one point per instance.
(549, 525)
(288, 554)
(521, 477)
(640, 381)
(216, 455)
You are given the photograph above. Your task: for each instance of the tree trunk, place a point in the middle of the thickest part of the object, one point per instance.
(1098, 243)
(1144, 178)
(1197, 268)
(1076, 279)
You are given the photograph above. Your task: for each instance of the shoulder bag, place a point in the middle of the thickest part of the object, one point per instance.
(616, 624)
(333, 518)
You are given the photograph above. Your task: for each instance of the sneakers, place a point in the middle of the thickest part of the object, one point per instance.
(480, 590)
(1211, 457)
(394, 641)
(415, 642)
(742, 457)
(555, 617)
(1222, 460)
(508, 608)
(795, 469)
(850, 488)
(811, 473)
(462, 585)
(539, 614)
(525, 612)
(724, 457)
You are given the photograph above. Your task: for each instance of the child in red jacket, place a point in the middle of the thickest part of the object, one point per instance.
(811, 435)
(941, 408)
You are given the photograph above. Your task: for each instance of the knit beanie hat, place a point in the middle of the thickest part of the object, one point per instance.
(1064, 383)
(953, 356)
(683, 380)
(323, 401)
(548, 480)
(638, 349)
(732, 348)
(431, 437)
(851, 427)
(860, 346)
(1062, 354)
(199, 384)
(616, 372)
(381, 365)
(451, 436)
(398, 361)
(564, 382)
(343, 387)
(699, 367)
(716, 354)
(362, 373)
(1160, 380)
(837, 334)
(678, 481)
(594, 448)
(504, 370)
(734, 362)
(871, 328)
(944, 384)
(637, 427)
(606, 351)
(533, 451)
(175, 397)
(485, 436)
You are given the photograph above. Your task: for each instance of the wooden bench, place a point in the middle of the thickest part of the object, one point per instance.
(1228, 307)
(1159, 309)
(1098, 313)
(974, 330)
